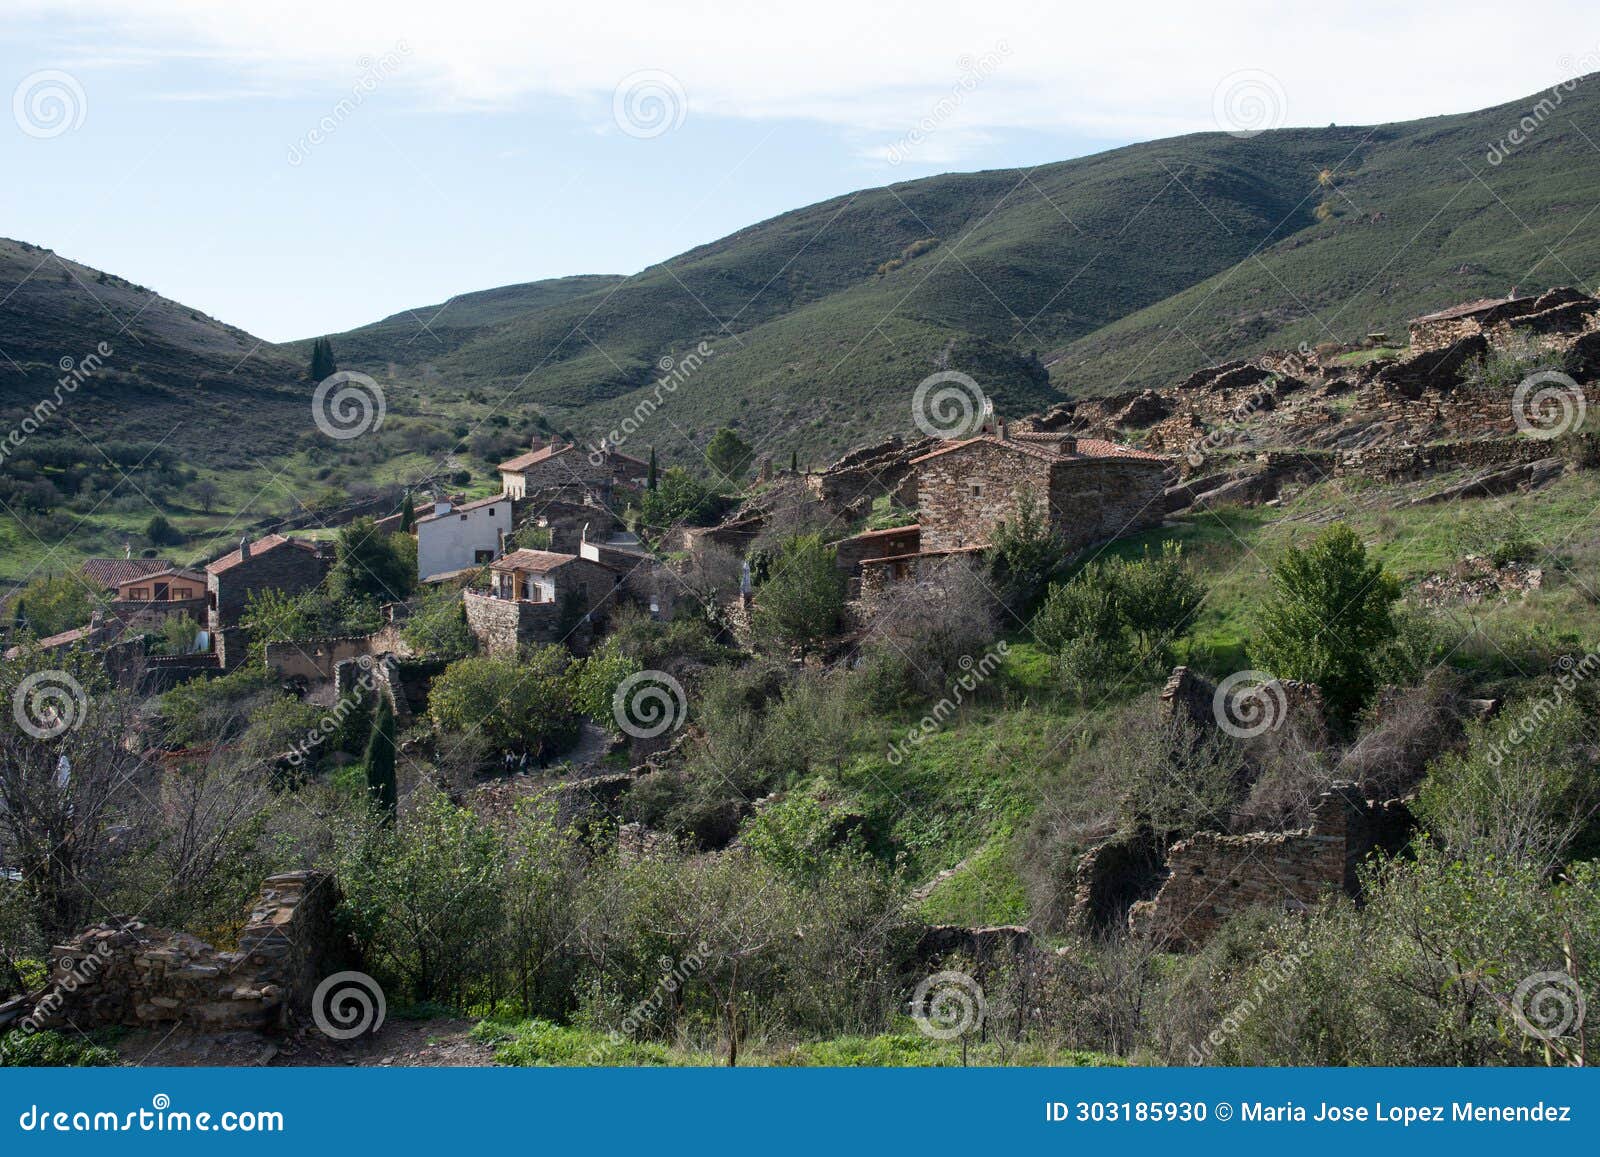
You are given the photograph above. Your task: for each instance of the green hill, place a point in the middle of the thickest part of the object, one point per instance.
(1125, 269)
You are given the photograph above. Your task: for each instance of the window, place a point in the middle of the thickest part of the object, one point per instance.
(163, 592)
(482, 556)
(139, 594)
(977, 490)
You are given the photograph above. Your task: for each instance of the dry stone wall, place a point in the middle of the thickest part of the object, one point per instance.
(122, 972)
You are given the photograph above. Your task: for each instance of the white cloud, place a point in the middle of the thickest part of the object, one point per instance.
(1098, 71)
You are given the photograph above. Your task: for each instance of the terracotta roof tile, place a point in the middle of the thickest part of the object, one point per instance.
(259, 547)
(534, 457)
(533, 561)
(113, 572)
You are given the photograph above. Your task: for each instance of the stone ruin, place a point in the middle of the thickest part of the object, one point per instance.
(1211, 876)
(123, 972)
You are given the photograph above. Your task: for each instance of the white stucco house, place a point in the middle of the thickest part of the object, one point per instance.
(455, 537)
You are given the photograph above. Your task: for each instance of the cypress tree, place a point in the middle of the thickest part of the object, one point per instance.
(794, 462)
(380, 761)
(408, 514)
(651, 482)
(322, 363)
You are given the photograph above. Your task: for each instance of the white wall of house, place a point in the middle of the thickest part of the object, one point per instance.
(455, 539)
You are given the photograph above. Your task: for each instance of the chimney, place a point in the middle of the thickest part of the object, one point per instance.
(244, 547)
(127, 550)
(1000, 428)
(1068, 445)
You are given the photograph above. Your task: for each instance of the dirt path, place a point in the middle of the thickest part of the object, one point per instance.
(443, 1043)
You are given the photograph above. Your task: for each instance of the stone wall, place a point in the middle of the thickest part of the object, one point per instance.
(315, 660)
(951, 515)
(848, 486)
(122, 972)
(1094, 499)
(501, 626)
(1212, 877)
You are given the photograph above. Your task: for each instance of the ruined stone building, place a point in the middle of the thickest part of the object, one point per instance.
(1560, 311)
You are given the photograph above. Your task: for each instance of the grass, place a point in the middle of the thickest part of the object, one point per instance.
(539, 1043)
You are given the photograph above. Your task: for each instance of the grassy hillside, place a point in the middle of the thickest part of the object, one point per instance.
(1121, 270)
(170, 370)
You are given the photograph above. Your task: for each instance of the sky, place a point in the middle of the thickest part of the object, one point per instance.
(297, 168)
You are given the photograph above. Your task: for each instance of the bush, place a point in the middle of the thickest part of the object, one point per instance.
(1117, 619)
(161, 532)
(426, 899)
(1026, 553)
(677, 499)
(800, 605)
(1329, 615)
(52, 604)
(1426, 974)
(520, 703)
(437, 626)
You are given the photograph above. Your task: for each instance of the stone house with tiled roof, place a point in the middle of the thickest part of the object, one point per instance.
(541, 596)
(273, 562)
(562, 466)
(967, 490)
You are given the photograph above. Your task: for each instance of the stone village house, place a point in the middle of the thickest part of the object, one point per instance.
(1090, 490)
(562, 466)
(274, 562)
(539, 596)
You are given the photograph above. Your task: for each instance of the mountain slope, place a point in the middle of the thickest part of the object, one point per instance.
(1124, 269)
(1416, 219)
(415, 337)
(164, 370)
